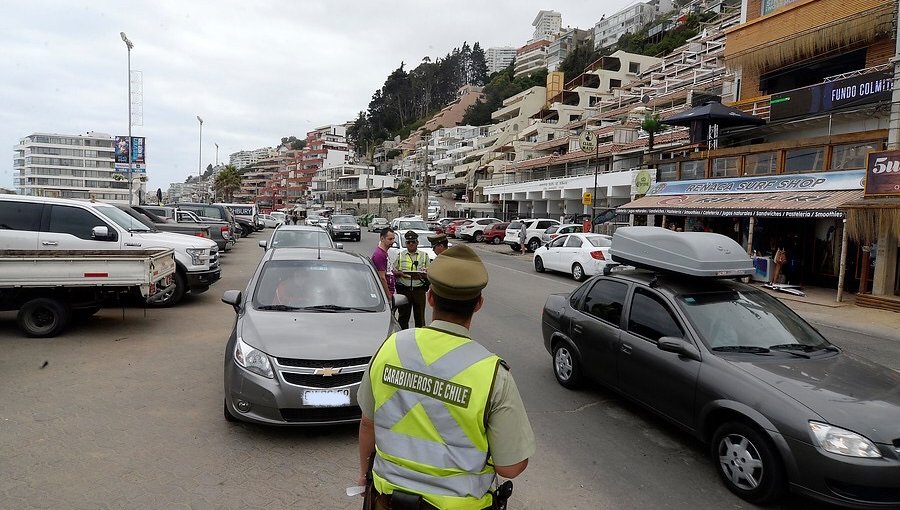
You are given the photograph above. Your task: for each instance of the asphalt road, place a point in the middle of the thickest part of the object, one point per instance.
(125, 411)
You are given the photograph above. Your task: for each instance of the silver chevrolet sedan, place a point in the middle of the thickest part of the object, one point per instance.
(306, 327)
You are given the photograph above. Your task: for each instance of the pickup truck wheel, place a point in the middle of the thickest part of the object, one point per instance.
(173, 295)
(43, 317)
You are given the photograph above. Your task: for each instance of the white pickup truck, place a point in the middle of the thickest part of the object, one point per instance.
(48, 288)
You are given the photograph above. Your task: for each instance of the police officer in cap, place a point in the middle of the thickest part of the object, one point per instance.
(442, 414)
(409, 269)
(439, 243)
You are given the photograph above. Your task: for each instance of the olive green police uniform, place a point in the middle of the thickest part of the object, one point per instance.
(445, 409)
(413, 288)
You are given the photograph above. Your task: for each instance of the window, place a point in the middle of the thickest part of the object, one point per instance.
(852, 156)
(693, 169)
(726, 167)
(20, 216)
(558, 242)
(73, 220)
(761, 164)
(613, 84)
(573, 242)
(605, 300)
(651, 318)
(811, 159)
(544, 224)
(634, 67)
(667, 172)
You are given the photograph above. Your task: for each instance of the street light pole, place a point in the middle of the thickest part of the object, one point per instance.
(200, 160)
(129, 45)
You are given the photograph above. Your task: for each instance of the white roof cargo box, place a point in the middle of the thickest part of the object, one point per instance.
(689, 253)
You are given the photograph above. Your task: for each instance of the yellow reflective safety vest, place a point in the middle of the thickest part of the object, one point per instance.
(431, 392)
(411, 262)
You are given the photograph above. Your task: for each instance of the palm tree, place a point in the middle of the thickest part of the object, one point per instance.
(227, 182)
(651, 125)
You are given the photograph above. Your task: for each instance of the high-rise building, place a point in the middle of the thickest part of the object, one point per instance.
(499, 58)
(628, 21)
(531, 57)
(72, 166)
(547, 25)
(241, 159)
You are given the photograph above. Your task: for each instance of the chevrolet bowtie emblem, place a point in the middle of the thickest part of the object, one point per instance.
(328, 371)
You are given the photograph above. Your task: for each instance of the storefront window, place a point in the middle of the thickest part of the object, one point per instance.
(667, 172)
(693, 169)
(811, 159)
(852, 156)
(761, 164)
(726, 167)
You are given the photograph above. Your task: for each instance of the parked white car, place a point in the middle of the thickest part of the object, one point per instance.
(474, 231)
(270, 221)
(580, 255)
(557, 230)
(534, 228)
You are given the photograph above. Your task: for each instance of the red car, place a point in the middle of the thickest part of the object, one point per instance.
(450, 229)
(495, 232)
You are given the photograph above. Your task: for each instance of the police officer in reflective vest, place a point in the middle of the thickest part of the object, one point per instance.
(409, 269)
(442, 414)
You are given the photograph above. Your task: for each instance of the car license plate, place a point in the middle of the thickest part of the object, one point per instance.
(326, 398)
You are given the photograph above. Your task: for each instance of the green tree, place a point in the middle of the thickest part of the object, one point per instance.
(652, 125)
(227, 182)
(298, 145)
(579, 59)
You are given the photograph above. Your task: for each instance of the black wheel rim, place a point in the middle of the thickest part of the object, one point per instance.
(41, 320)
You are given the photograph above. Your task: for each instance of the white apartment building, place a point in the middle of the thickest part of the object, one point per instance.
(563, 44)
(531, 57)
(347, 179)
(629, 20)
(72, 166)
(499, 58)
(547, 25)
(241, 159)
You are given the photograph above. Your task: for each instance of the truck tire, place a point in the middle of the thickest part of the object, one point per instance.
(43, 317)
(173, 296)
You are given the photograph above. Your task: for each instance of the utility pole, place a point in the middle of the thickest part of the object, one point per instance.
(129, 45)
(424, 209)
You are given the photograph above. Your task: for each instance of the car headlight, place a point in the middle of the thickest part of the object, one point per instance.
(252, 359)
(198, 256)
(842, 442)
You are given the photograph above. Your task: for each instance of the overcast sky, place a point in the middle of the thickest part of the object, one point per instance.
(254, 71)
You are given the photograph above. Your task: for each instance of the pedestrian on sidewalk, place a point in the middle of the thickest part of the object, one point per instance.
(444, 412)
(523, 237)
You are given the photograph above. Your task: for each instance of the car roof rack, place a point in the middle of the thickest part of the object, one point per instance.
(698, 254)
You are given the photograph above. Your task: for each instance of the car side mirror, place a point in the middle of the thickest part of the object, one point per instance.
(263, 243)
(339, 246)
(678, 346)
(233, 298)
(100, 233)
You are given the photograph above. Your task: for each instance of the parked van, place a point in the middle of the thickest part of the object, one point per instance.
(247, 216)
(52, 224)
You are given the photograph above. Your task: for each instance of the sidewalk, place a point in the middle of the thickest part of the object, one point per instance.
(819, 306)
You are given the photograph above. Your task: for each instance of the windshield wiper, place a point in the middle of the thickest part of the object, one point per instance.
(749, 349)
(793, 349)
(280, 308)
(336, 308)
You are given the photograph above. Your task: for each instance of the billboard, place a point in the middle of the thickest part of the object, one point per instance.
(137, 150)
(834, 95)
(883, 174)
(820, 181)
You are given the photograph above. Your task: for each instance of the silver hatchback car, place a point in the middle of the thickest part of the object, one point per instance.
(306, 327)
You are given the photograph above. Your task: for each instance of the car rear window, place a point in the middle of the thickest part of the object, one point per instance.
(599, 242)
(515, 225)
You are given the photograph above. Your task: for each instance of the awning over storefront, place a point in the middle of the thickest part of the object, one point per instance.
(798, 204)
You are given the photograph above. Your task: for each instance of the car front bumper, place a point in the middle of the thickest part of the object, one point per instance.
(848, 481)
(278, 402)
(345, 234)
(199, 281)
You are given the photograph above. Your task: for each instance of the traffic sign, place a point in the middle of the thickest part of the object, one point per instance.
(587, 140)
(587, 198)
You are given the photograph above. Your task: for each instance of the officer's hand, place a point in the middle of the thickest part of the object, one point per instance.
(361, 480)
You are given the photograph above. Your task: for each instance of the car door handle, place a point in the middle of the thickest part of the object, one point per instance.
(577, 328)
(626, 348)
(49, 243)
